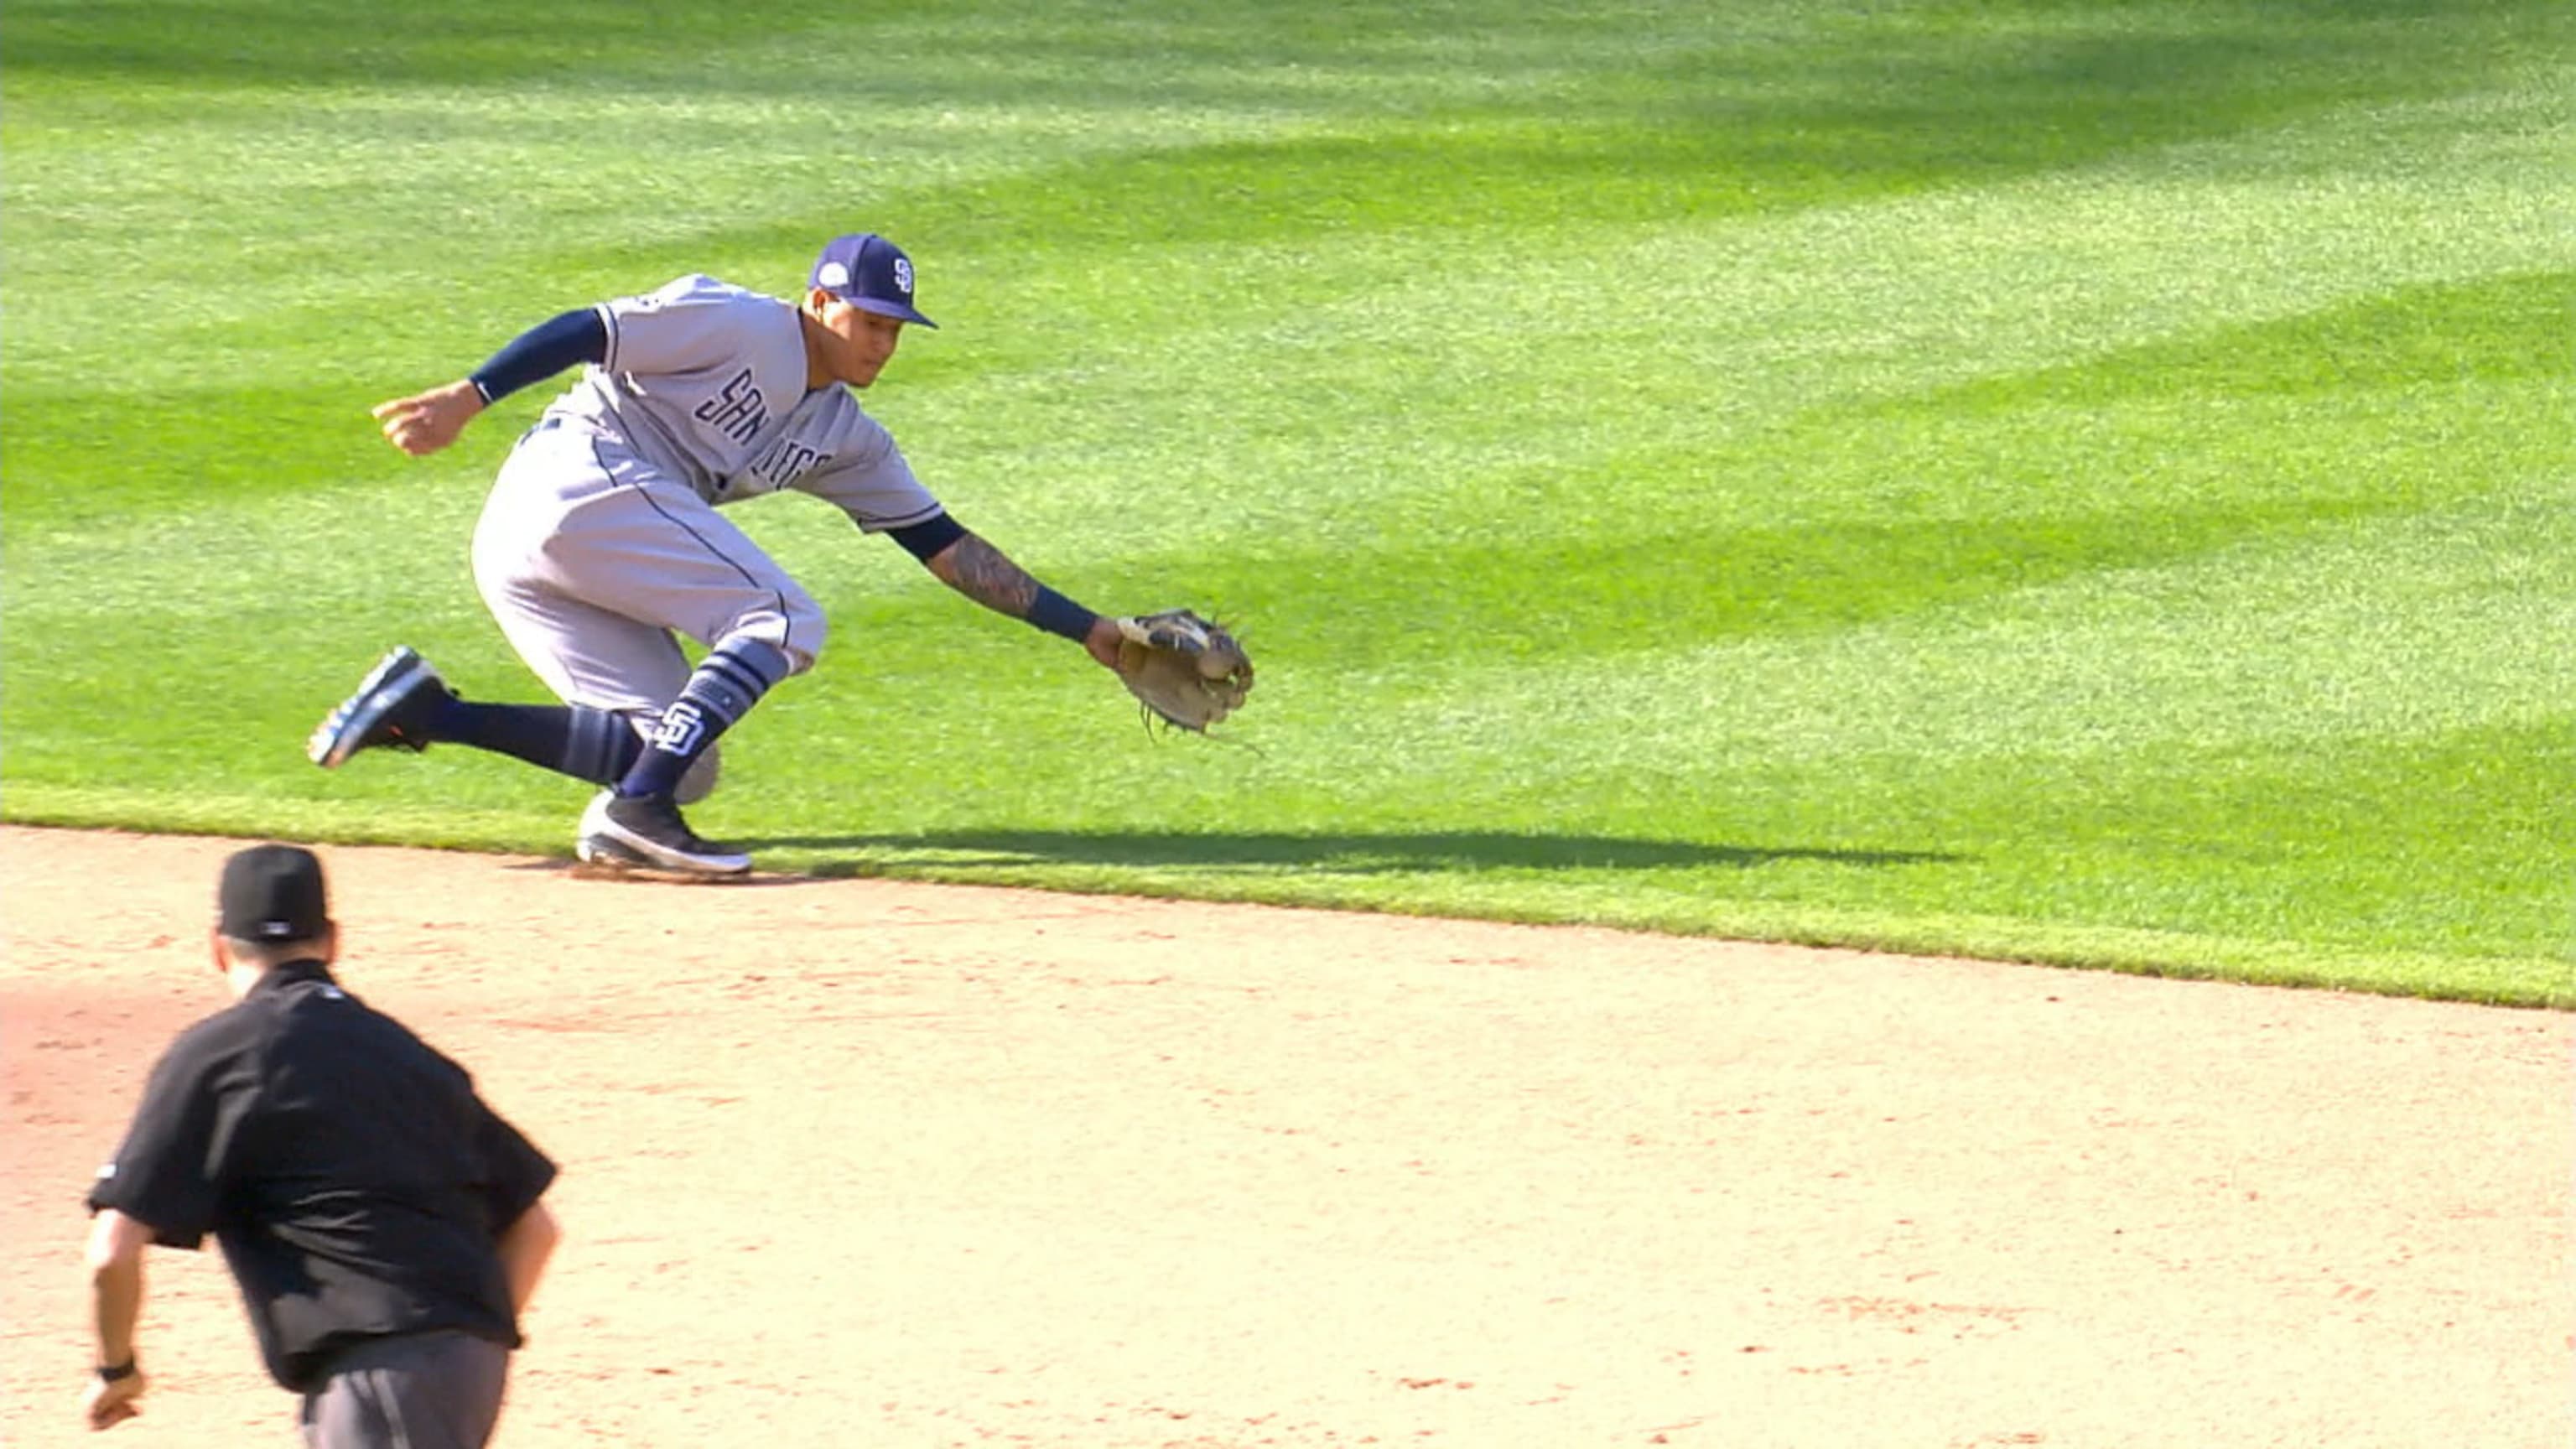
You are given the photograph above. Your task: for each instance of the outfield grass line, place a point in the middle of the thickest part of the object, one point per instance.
(2534, 982)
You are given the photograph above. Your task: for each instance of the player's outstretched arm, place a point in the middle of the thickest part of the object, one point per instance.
(426, 422)
(983, 573)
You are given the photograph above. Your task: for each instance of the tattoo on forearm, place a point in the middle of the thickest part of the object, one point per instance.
(978, 570)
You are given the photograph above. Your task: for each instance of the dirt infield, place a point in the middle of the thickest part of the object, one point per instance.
(862, 1163)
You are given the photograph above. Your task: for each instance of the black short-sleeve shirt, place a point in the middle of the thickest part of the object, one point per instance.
(355, 1181)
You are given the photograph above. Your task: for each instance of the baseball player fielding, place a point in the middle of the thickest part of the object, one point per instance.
(603, 542)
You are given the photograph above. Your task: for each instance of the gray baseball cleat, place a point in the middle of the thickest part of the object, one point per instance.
(630, 832)
(393, 706)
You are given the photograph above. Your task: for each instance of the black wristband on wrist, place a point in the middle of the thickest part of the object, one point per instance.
(109, 1373)
(1057, 614)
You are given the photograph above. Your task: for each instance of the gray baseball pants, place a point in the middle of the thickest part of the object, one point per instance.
(591, 558)
(420, 1391)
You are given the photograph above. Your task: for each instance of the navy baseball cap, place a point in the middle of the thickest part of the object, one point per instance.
(272, 893)
(871, 274)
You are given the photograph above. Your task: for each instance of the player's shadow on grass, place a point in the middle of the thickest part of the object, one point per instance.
(1339, 854)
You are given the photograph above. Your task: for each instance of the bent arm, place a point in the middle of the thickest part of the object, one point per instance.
(983, 573)
(524, 1246)
(426, 422)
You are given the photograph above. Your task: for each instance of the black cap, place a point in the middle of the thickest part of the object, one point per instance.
(272, 893)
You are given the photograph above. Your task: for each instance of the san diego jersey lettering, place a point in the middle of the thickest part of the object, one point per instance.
(708, 380)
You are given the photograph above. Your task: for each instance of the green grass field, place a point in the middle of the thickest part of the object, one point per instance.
(2078, 482)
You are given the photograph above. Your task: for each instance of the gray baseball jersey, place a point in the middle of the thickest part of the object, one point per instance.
(708, 380)
(600, 539)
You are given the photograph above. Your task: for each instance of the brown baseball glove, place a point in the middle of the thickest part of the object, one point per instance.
(1187, 671)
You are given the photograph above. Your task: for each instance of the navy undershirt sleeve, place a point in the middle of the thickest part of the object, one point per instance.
(925, 539)
(541, 352)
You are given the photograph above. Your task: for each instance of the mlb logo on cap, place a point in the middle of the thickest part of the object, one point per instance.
(871, 274)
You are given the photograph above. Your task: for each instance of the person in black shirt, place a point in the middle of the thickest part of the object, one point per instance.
(383, 1223)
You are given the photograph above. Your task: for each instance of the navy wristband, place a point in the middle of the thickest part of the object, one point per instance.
(1057, 614)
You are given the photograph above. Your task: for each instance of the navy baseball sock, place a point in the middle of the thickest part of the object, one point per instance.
(596, 745)
(726, 684)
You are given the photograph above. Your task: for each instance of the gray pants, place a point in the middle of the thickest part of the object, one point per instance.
(592, 559)
(422, 1391)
